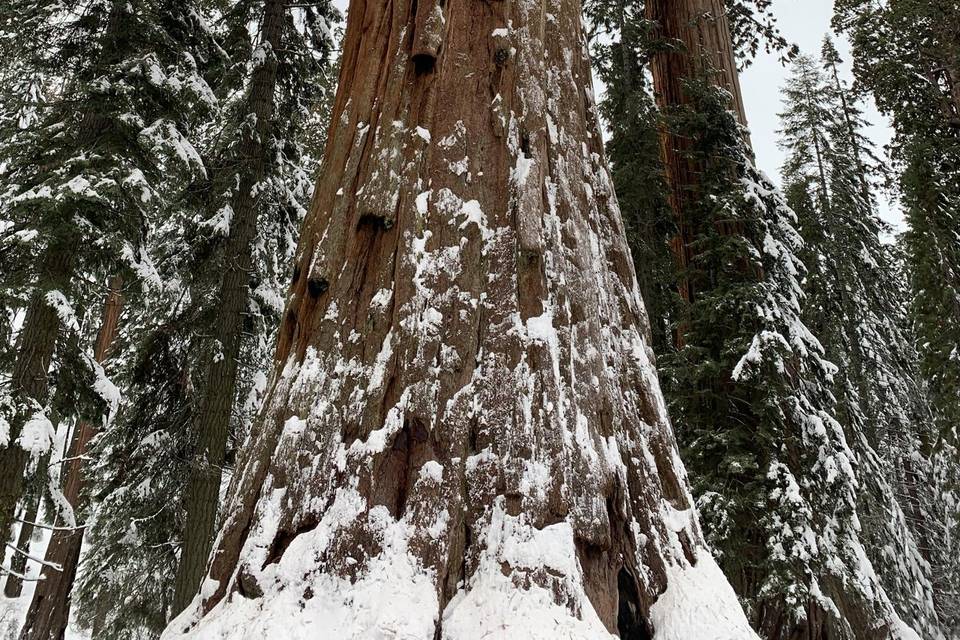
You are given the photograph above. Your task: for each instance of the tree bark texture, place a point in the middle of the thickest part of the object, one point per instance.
(49, 611)
(212, 422)
(694, 44)
(464, 436)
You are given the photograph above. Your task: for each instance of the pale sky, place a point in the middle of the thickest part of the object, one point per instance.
(804, 22)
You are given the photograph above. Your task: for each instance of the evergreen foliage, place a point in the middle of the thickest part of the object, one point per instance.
(145, 459)
(906, 55)
(89, 166)
(778, 462)
(811, 369)
(620, 56)
(857, 307)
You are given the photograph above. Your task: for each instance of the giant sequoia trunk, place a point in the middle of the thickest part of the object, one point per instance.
(211, 423)
(49, 611)
(464, 436)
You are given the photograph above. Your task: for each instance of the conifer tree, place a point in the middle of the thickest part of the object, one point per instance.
(855, 305)
(907, 55)
(262, 123)
(84, 179)
(258, 186)
(49, 612)
(620, 55)
(748, 384)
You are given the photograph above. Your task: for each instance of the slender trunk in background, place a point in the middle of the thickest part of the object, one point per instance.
(18, 561)
(49, 611)
(38, 339)
(696, 46)
(211, 423)
(465, 435)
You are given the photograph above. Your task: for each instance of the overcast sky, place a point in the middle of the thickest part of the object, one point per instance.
(804, 22)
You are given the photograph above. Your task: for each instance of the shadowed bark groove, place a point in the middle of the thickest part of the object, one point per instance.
(465, 432)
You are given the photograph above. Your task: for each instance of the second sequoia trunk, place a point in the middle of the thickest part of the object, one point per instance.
(694, 45)
(465, 435)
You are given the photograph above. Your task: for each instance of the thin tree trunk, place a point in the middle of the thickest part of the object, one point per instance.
(18, 561)
(37, 341)
(49, 611)
(463, 379)
(212, 421)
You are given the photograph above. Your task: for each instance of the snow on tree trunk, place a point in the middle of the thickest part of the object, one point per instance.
(465, 434)
(49, 611)
(28, 382)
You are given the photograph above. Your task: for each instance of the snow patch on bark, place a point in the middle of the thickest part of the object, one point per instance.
(493, 605)
(394, 596)
(699, 603)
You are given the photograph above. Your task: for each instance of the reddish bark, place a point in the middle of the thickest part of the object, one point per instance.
(694, 45)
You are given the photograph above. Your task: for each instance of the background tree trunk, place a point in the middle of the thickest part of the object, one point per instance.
(37, 342)
(18, 561)
(49, 611)
(693, 44)
(212, 421)
(465, 433)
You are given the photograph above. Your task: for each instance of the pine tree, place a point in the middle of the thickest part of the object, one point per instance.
(620, 55)
(85, 177)
(257, 141)
(49, 612)
(906, 55)
(464, 433)
(147, 459)
(855, 306)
